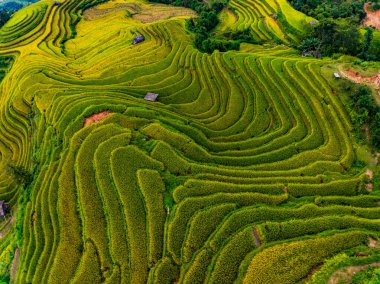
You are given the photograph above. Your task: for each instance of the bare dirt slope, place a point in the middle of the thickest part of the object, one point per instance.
(372, 19)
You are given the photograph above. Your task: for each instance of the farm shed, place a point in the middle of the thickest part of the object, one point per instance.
(151, 97)
(336, 75)
(274, 16)
(57, 3)
(138, 39)
(4, 209)
(312, 22)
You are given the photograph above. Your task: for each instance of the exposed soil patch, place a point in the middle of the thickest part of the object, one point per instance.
(15, 262)
(372, 19)
(96, 117)
(377, 155)
(345, 275)
(256, 237)
(369, 173)
(369, 185)
(373, 243)
(373, 81)
(311, 273)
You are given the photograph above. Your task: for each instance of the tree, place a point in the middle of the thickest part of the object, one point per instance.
(368, 37)
(4, 17)
(375, 130)
(310, 46)
(337, 36)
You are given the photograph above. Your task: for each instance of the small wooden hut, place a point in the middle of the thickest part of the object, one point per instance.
(138, 39)
(4, 209)
(152, 97)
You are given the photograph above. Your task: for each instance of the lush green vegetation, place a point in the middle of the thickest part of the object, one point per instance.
(365, 114)
(245, 166)
(338, 29)
(322, 9)
(5, 16)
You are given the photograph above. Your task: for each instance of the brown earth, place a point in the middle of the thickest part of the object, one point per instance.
(373, 243)
(369, 185)
(96, 117)
(345, 275)
(372, 19)
(356, 77)
(15, 262)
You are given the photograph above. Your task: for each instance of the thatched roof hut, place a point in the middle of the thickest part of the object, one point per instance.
(152, 97)
(4, 209)
(336, 75)
(138, 39)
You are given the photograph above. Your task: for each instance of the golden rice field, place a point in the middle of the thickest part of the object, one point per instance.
(243, 171)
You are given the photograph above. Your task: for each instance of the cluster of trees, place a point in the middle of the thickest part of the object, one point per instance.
(338, 28)
(5, 16)
(322, 9)
(366, 46)
(365, 112)
(331, 36)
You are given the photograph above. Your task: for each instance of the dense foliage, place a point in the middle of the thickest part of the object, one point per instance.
(323, 9)
(341, 36)
(5, 15)
(337, 30)
(365, 114)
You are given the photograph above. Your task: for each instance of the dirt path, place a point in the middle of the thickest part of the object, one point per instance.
(96, 117)
(372, 19)
(256, 237)
(369, 186)
(345, 275)
(15, 262)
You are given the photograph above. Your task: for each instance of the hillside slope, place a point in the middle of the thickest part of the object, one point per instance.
(241, 169)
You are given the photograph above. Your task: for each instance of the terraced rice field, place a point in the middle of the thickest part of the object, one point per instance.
(242, 169)
(267, 20)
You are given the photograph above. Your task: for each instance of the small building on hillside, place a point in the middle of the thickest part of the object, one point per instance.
(336, 75)
(274, 16)
(313, 22)
(4, 209)
(152, 97)
(56, 3)
(138, 39)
